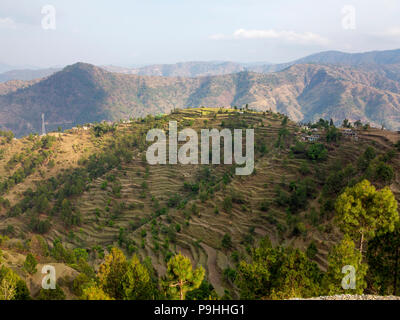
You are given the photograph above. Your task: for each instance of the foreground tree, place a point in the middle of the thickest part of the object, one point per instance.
(254, 279)
(298, 277)
(137, 283)
(181, 277)
(111, 272)
(49, 294)
(362, 209)
(8, 284)
(12, 287)
(383, 257)
(278, 273)
(94, 293)
(342, 255)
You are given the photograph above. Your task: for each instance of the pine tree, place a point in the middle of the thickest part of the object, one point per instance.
(341, 255)
(254, 279)
(30, 264)
(181, 277)
(298, 277)
(362, 209)
(383, 257)
(136, 283)
(111, 272)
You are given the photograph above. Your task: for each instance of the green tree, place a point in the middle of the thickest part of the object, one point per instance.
(341, 255)
(384, 172)
(22, 291)
(206, 291)
(95, 293)
(254, 279)
(333, 134)
(346, 123)
(81, 282)
(136, 283)
(226, 241)
(297, 277)
(317, 152)
(383, 257)
(8, 283)
(30, 264)
(181, 277)
(111, 272)
(277, 273)
(50, 294)
(312, 250)
(362, 209)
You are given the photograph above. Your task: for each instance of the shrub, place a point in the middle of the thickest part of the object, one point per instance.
(317, 152)
(226, 241)
(227, 204)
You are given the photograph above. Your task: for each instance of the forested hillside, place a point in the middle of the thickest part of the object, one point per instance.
(87, 201)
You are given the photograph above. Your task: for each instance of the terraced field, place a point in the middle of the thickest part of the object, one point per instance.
(155, 210)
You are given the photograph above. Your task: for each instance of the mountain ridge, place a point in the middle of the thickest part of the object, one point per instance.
(83, 93)
(191, 69)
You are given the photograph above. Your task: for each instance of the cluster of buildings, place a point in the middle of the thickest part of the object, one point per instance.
(313, 134)
(84, 128)
(350, 133)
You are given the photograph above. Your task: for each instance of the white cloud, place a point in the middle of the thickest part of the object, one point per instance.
(7, 23)
(392, 32)
(289, 36)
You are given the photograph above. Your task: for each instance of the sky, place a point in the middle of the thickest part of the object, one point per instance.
(132, 33)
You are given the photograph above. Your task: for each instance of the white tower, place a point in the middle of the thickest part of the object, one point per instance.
(43, 126)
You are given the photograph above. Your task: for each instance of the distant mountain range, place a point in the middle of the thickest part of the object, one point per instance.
(84, 93)
(212, 68)
(198, 69)
(27, 74)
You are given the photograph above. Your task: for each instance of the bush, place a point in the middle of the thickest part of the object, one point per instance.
(311, 251)
(56, 294)
(384, 172)
(264, 205)
(304, 169)
(317, 152)
(227, 204)
(226, 241)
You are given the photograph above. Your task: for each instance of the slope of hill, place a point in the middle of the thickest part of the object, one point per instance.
(14, 85)
(94, 191)
(26, 74)
(83, 93)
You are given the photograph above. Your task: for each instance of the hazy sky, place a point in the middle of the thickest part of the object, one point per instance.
(128, 32)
